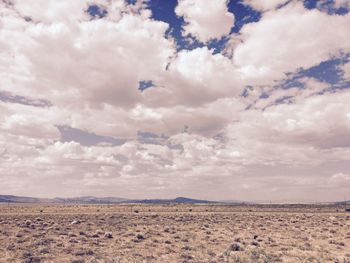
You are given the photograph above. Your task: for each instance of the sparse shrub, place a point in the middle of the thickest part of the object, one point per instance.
(236, 247)
(140, 237)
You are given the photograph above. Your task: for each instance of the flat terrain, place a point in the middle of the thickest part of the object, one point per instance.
(174, 233)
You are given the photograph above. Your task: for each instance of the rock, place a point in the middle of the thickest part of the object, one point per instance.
(238, 239)
(32, 260)
(75, 222)
(19, 234)
(84, 252)
(44, 251)
(100, 232)
(79, 253)
(255, 243)
(236, 247)
(71, 234)
(108, 235)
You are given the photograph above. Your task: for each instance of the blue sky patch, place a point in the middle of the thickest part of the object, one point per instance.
(86, 138)
(145, 84)
(327, 71)
(327, 6)
(244, 14)
(96, 11)
(165, 11)
(11, 98)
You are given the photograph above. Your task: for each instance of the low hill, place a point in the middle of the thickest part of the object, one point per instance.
(98, 200)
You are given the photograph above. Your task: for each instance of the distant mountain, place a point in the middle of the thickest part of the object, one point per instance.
(99, 200)
(233, 202)
(21, 199)
(191, 201)
(118, 200)
(172, 201)
(59, 200)
(90, 200)
(343, 202)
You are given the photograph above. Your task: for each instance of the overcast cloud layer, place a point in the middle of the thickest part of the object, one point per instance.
(99, 98)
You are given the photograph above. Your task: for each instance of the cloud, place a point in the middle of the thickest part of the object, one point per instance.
(331, 6)
(28, 122)
(340, 177)
(267, 96)
(342, 3)
(264, 5)
(206, 125)
(346, 71)
(94, 61)
(205, 20)
(195, 77)
(340, 180)
(51, 10)
(314, 123)
(268, 51)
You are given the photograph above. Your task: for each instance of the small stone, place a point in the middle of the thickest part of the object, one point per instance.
(75, 222)
(236, 247)
(19, 234)
(108, 235)
(71, 234)
(100, 232)
(255, 243)
(44, 251)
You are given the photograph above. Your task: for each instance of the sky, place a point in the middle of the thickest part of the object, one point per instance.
(222, 100)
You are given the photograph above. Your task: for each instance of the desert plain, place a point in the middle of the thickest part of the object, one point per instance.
(174, 233)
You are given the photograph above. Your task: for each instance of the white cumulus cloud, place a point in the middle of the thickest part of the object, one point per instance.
(205, 19)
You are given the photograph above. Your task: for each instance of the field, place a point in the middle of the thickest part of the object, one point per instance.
(174, 233)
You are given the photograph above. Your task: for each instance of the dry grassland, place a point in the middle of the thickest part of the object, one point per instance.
(173, 233)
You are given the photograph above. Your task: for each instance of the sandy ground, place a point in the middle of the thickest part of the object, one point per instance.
(173, 233)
